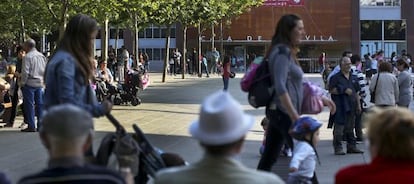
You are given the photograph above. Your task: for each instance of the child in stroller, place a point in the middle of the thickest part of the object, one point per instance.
(135, 81)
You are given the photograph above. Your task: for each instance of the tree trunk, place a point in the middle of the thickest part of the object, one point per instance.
(167, 52)
(23, 29)
(63, 18)
(135, 46)
(116, 42)
(212, 36)
(199, 51)
(184, 52)
(221, 39)
(104, 41)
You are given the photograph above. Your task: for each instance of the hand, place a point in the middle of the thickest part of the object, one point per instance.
(107, 105)
(348, 91)
(292, 169)
(328, 102)
(126, 151)
(334, 91)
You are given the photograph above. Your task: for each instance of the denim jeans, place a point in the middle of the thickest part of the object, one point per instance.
(276, 136)
(225, 83)
(32, 102)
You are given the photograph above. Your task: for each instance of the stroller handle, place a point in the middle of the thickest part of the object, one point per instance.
(119, 128)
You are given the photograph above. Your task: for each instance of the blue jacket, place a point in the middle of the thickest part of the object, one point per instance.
(65, 84)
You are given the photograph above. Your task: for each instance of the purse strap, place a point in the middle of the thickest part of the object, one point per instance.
(376, 82)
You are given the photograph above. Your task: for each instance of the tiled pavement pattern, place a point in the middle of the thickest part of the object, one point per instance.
(166, 111)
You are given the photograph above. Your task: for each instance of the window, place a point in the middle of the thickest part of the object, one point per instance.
(173, 33)
(163, 33)
(112, 34)
(141, 33)
(394, 29)
(371, 30)
(380, 2)
(157, 33)
(148, 33)
(149, 52)
(157, 54)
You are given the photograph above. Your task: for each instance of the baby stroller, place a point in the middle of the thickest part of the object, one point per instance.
(127, 92)
(146, 160)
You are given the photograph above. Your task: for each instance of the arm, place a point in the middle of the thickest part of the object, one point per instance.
(25, 71)
(373, 83)
(396, 90)
(279, 73)
(66, 93)
(300, 154)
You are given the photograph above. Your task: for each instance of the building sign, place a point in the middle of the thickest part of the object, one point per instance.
(319, 38)
(284, 3)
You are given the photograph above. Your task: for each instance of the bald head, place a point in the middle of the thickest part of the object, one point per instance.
(66, 122)
(30, 44)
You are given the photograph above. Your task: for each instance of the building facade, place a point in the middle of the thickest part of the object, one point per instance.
(332, 26)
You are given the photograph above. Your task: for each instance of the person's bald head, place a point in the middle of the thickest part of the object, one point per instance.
(29, 44)
(66, 121)
(66, 127)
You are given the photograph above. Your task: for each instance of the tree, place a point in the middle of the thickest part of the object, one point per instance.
(165, 14)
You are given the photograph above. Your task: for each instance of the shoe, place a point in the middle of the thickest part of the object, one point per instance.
(22, 125)
(8, 125)
(354, 150)
(339, 152)
(28, 130)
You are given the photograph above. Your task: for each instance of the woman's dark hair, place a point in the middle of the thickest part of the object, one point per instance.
(283, 32)
(385, 67)
(77, 41)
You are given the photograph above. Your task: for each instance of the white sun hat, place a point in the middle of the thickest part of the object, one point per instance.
(221, 120)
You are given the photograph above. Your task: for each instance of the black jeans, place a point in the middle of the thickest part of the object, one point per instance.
(276, 136)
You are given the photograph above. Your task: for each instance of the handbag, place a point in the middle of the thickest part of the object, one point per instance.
(312, 99)
(372, 99)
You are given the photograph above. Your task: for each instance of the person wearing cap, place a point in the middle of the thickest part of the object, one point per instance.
(32, 84)
(221, 130)
(66, 133)
(390, 138)
(405, 83)
(302, 166)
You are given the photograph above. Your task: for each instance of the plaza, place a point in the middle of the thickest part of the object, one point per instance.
(165, 114)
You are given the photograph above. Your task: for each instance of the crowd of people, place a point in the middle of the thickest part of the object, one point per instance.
(64, 117)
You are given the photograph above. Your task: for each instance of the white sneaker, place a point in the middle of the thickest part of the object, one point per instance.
(23, 125)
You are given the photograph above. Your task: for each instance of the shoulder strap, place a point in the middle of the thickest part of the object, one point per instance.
(376, 82)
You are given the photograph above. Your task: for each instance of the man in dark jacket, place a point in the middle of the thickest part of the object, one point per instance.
(344, 88)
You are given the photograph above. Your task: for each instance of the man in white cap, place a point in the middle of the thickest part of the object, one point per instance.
(221, 130)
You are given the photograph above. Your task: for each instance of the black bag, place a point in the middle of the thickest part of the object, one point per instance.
(372, 99)
(261, 91)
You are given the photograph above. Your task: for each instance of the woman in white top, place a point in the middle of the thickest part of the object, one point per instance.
(386, 89)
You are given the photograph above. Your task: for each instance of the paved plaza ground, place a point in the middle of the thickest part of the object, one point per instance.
(165, 114)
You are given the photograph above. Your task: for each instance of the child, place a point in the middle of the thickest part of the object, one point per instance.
(264, 124)
(302, 166)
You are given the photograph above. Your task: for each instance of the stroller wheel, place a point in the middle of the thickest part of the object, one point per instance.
(117, 100)
(135, 101)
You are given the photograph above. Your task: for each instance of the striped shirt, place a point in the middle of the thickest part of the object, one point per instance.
(361, 80)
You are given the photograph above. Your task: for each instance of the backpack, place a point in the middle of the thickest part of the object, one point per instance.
(257, 83)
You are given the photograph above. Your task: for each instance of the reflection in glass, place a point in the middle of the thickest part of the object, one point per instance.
(371, 30)
(394, 29)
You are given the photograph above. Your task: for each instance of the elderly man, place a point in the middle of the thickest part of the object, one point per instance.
(345, 89)
(31, 82)
(67, 133)
(221, 130)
